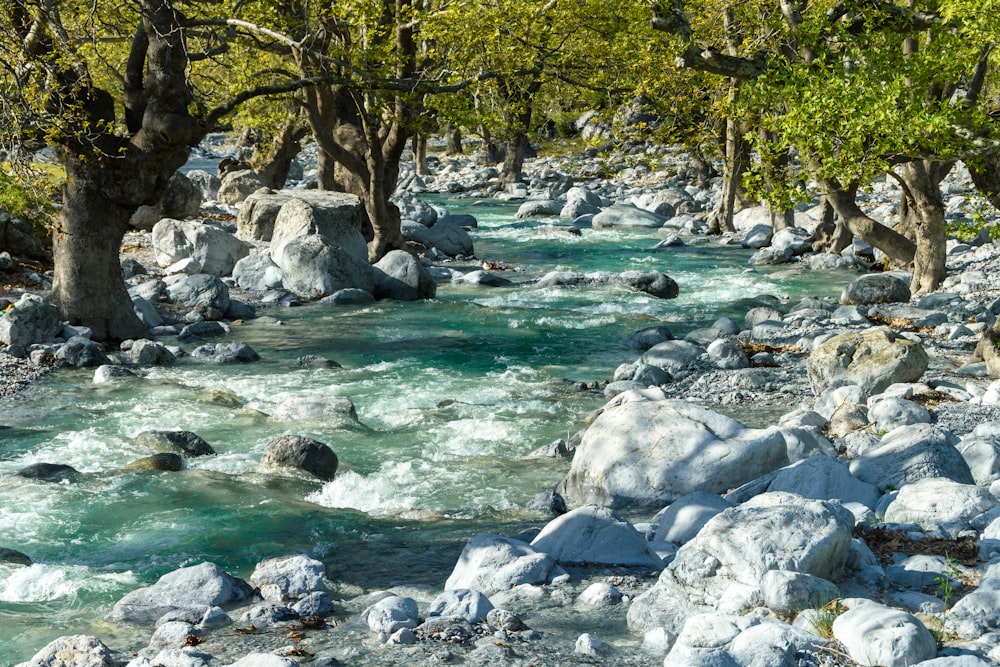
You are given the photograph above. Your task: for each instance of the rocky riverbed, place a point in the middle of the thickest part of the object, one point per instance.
(810, 483)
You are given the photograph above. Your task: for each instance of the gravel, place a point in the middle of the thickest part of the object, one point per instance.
(17, 374)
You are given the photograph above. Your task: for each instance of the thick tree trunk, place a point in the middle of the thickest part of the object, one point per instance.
(897, 247)
(736, 164)
(420, 154)
(513, 159)
(922, 210)
(830, 234)
(273, 167)
(453, 136)
(89, 289)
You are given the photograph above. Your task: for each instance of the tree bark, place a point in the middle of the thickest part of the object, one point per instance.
(420, 154)
(513, 159)
(897, 247)
(109, 176)
(985, 172)
(453, 135)
(922, 212)
(273, 167)
(737, 162)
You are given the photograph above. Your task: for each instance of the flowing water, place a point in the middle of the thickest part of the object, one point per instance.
(452, 394)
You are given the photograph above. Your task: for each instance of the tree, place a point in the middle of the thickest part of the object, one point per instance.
(856, 94)
(121, 101)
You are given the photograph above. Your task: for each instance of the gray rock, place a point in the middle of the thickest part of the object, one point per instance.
(723, 567)
(872, 359)
(225, 353)
(601, 594)
(684, 517)
(468, 605)
(643, 339)
(31, 320)
(909, 454)
(316, 407)
(415, 209)
(876, 288)
(314, 604)
(580, 201)
(301, 453)
(672, 356)
(321, 249)
(145, 352)
(196, 587)
(757, 237)
(595, 535)
(237, 185)
(493, 563)
(452, 240)
(264, 660)
(627, 216)
(163, 462)
(651, 452)
(181, 200)
(73, 651)
(268, 615)
(391, 614)
(936, 502)
(80, 352)
(891, 412)
(792, 241)
(482, 278)
(727, 354)
(978, 612)
(823, 478)
(789, 592)
(539, 208)
(110, 373)
(18, 237)
(400, 276)
(186, 442)
(876, 635)
(288, 577)
(653, 283)
(257, 273)
(200, 290)
(981, 450)
(208, 184)
(198, 330)
(48, 472)
(349, 296)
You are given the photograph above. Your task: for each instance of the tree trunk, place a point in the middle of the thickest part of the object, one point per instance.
(513, 159)
(897, 247)
(830, 234)
(737, 162)
(923, 211)
(453, 135)
(273, 168)
(420, 154)
(89, 288)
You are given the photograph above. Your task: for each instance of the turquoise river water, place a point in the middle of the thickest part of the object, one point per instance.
(452, 393)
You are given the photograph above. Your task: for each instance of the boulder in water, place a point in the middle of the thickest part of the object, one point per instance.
(186, 442)
(302, 453)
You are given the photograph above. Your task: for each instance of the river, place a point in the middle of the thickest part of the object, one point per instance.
(452, 393)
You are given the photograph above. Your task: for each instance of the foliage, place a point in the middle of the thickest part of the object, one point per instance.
(822, 623)
(31, 194)
(945, 581)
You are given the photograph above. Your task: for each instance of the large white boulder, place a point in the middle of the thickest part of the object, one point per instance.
(493, 563)
(214, 249)
(320, 249)
(724, 566)
(939, 502)
(651, 452)
(872, 359)
(909, 454)
(877, 635)
(194, 588)
(595, 535)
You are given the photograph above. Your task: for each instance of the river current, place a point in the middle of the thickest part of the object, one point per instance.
(452, 393)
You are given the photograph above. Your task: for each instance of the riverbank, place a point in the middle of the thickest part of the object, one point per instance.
(559, 598)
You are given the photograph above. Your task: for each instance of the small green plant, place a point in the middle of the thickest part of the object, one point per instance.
(822, 624)
(974, 221)
(945, 581)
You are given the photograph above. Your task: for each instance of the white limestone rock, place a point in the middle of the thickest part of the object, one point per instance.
(651, 452)
(595, 535)
(874, 634)
(493, 563)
